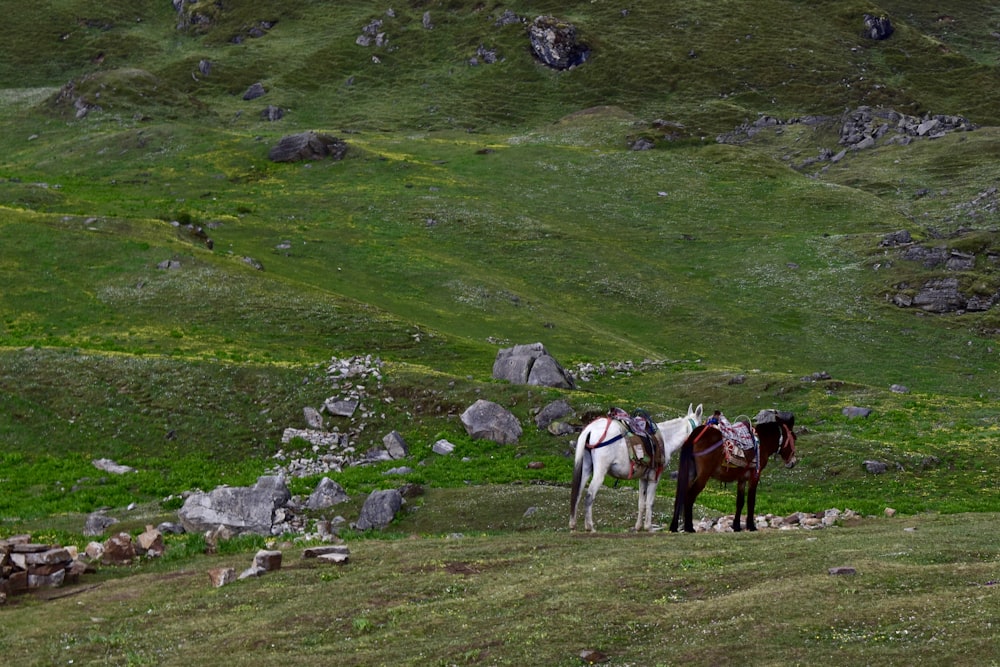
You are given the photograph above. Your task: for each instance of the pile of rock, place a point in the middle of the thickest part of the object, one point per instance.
(794, 521)
(27, 566)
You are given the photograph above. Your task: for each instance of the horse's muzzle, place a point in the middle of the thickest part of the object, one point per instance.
(791, 462)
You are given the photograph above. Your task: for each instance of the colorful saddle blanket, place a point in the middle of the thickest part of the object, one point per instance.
(740, 444)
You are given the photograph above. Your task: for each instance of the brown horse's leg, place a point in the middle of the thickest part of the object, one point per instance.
(684, 466)
(696, 488)
(751, 503)
(741, 489)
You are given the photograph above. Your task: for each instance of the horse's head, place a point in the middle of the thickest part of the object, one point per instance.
(787, 449)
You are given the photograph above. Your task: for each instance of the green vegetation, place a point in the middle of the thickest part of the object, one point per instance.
(481, 206)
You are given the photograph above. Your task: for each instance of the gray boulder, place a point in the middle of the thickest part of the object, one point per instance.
(485, 420)
(396, 445)
(531, 364)
(326, 494)
(554, 411)
(380, 509)
(245, 509)
(554, 43)
(877, 27)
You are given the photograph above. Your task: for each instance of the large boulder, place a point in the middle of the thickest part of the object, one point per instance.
(531, 364)
(380, 509)
(877, 27)
(243, 509)
(554, 43)
(307, 146)
(485, 420)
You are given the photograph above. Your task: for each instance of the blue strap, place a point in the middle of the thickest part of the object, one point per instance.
(606, 442)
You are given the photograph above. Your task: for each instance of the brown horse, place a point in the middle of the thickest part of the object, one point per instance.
(703, 456)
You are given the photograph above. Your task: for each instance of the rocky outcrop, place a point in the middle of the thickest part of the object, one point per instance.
(308, 146)
(249, 509)
(531, 364)
(554, 43)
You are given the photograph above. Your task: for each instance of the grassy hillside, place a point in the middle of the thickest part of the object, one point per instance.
(481, 206)
(170, 299)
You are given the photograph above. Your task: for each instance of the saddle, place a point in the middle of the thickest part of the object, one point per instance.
(740, 443)
(645, 443)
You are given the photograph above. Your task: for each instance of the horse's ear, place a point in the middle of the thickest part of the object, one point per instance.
(697, 412)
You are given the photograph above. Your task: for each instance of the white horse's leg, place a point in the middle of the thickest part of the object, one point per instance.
(643, 485)
(649, 496)
(595, 485)
(583, 467)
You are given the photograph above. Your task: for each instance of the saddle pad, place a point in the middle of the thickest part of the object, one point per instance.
(740, 433)
(738, 456)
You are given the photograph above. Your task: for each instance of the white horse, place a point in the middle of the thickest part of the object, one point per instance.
(602, 450)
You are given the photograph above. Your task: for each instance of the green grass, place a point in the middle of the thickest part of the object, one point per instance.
(481, 207)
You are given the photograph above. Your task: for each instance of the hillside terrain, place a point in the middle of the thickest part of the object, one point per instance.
(743, 205)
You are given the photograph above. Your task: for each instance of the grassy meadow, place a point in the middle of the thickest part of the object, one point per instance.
(481, 206)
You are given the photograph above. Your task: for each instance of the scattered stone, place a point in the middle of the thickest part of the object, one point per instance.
(485, 420)
(555, 410)
(876, 467)
(843, 569)
(220, 576)
(150, 543)
(326, 494)
(852, 412)
(97, 523)
(396, 445)
(107, 465)
(118, 550)
(889, 512)
(443, 447)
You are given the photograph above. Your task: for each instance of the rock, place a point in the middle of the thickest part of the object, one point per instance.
(97, 523)
(555, 410)
(316, 552)
(532, 365)
(485, 420)
(313, 419)
(554, 43)
(272, 113)
(341, 407)
(118, 550)
(308, 146)
(268, 560)
(255, 91)
(877, 27)
(326, 494)
(380, 509)
(853, 411)
(889, 512)
(842, 570)
(876, 467)
(150, 543)
(443, 447)
(396, 445)
(240, 509)
(107, 465)
(220, 576)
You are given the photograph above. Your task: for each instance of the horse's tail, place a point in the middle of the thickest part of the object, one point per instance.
(685, 468)
(581, 452)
